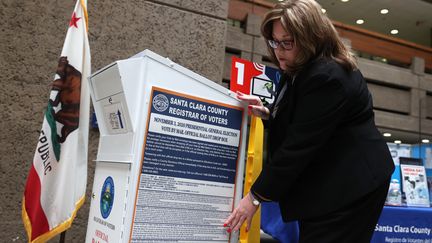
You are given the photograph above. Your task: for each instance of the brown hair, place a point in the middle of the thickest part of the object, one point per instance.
(313, 33)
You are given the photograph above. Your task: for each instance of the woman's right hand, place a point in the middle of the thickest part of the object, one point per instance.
(255, 106)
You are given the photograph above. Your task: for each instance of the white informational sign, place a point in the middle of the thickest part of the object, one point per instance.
(171, 154)
(394, 196)
(415, 185)
(189, 168)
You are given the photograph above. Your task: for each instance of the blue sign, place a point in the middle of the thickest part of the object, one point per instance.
(192, 138)
(107, 197)
(401, 224)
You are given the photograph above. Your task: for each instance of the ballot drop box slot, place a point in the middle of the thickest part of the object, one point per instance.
(170, 160)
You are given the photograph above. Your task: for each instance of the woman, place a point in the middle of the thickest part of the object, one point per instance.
(327, 165)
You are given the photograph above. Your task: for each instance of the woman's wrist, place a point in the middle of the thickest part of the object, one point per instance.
(266, 113)
(254, 200)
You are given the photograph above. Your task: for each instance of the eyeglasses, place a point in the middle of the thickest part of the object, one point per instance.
(287, 45)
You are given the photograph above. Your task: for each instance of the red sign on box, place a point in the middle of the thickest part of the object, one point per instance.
(242, 72)
(254, 79)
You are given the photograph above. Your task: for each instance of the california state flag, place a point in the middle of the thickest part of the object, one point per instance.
(56, 183)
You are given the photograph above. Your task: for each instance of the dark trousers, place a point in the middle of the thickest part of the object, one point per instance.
(354, 223)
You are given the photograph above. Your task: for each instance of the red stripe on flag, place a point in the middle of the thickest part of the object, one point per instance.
(38, 220)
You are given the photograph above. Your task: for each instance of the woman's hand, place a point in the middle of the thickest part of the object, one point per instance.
(244, 212)
(256, 106)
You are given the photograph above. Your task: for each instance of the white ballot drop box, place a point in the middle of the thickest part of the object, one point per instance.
(170, 161)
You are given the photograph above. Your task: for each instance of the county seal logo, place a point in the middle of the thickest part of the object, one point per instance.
(160, 102)
(107, 197)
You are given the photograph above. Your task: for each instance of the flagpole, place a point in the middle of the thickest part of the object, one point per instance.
(63, 237)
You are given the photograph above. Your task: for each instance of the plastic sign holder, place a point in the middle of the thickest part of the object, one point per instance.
(170, 161)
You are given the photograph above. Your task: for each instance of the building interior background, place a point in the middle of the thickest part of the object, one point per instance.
(392, 40)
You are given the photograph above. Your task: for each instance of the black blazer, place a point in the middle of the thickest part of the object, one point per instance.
(324, 150)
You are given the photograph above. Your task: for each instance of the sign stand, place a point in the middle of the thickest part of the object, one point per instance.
(170, 161)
